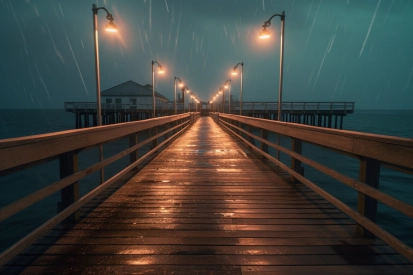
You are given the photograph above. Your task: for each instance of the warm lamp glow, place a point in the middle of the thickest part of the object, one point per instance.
(226, 86)
(160, 70)
(234, 72)
(264, 34)
(111, 27)
(181, 85)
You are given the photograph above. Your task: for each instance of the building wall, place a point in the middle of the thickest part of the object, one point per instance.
(128, 100)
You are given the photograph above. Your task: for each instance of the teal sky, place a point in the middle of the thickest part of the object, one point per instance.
(335, 50)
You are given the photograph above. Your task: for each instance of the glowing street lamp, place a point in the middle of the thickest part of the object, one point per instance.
(226, 86)
(266, 34)
(110, 27)
(181, 84)
(160, 71)
(183, 95)
(234, 72)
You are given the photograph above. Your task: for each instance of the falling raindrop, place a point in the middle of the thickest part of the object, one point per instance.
(308, 13)
(311, 30)
(77, 65)
(167, 6)
(41, 80)
(368, 32)
(61, 10)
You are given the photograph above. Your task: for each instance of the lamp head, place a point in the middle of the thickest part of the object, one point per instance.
(160, 70)
(234, 72)
(181, 84)
(111, 27)
(226, 86)
(187, 91)
(264, 34)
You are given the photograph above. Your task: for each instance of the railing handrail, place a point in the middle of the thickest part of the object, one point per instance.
(19, 151)
(371, 149)
(381, 147)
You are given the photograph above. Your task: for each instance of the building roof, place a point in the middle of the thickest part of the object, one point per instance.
(131, 88)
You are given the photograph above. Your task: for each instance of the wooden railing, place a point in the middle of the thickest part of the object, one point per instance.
(373, 151)
(302, 107)
(20, 153)
(121, 107)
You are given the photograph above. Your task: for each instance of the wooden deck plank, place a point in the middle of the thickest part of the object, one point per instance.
(208, 205)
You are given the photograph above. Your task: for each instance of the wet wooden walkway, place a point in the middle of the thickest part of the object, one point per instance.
(208, 205)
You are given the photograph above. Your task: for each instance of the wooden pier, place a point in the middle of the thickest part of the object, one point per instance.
(210, 204)
(322, 114)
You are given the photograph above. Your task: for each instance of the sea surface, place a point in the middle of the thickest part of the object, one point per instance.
(18, 123)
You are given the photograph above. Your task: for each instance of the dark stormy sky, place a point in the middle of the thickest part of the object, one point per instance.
(335, 50)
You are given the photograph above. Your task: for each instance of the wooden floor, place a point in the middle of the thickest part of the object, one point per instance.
(208, 205)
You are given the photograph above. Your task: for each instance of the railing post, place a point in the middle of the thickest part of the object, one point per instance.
(166, 136)
(367, 206)
(68, 163)
(251, 139)
(297, 147)
(264, 135)
(154, 132)
(133, 140)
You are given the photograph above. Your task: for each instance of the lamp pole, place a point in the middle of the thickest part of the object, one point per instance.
(265, 34)
(180, 85)
(223, 99)
(183, 95)
(226, 86)
(242, 73)
(110, 27)
(160, 71)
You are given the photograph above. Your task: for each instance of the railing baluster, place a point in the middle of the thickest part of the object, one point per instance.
(133, 140)
(68, 164)
(297, 147)
(264, 135)
(367, 206)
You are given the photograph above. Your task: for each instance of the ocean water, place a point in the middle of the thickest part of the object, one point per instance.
(17, 123)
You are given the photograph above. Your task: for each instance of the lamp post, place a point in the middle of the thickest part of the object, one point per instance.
(226, 86)
(110, 27)
(222, 91)
(266, 34)
(180, 85)
(160, 71)
(183, 94)
(234, 72)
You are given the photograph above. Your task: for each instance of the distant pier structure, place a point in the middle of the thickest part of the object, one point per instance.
(322, 114)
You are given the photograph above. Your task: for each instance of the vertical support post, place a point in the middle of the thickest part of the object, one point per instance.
(68, 163)
(250, 139)
(297, 147)
(264, 135)
(154, 132)
(166, 136)
(133, 140)
(367, 206)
